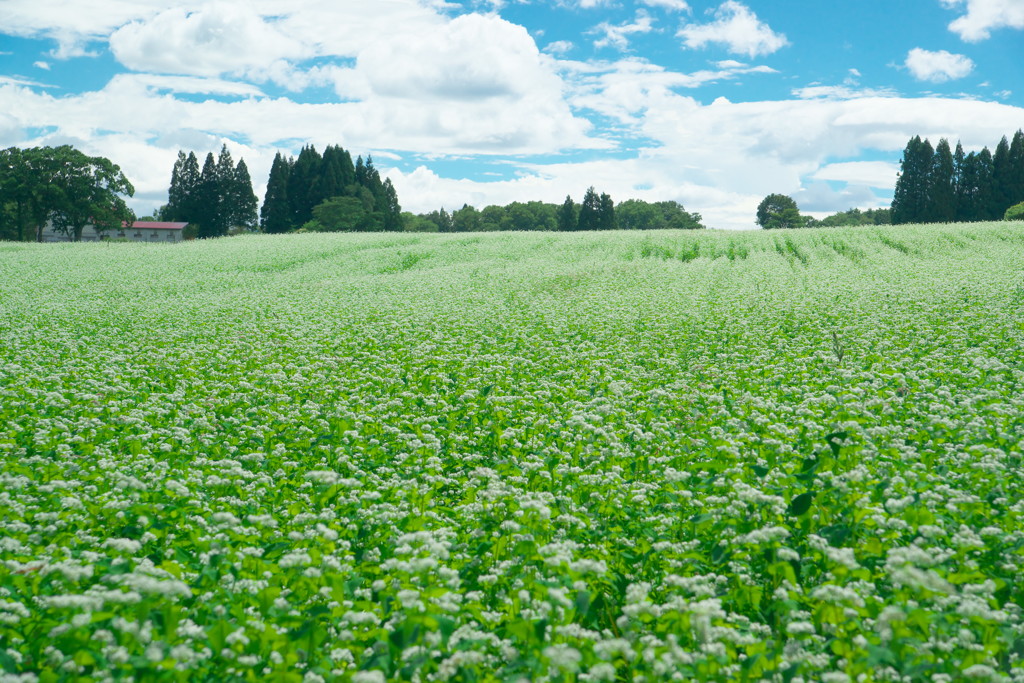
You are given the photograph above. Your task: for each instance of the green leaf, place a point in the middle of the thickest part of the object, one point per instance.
(801, 504)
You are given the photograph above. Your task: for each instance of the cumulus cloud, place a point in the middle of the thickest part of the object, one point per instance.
(738, 29)
(221, 38)
(937, 67)
(984, 16)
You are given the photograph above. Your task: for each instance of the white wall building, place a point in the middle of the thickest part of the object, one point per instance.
(139, 231)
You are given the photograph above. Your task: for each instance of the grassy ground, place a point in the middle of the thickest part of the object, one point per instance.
(717, 456)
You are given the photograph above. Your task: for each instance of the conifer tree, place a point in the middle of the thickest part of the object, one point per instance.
(275, 215)
(606, 219)
(242, 200)
(176, 194)
(590, 211)
(392, 209)
(984, 169)
(941, 205)
(959, 163)
(910, 200)
(190, 178)
(207, 209)
(304, 185)
(567, 215)
(1002, 181)
(332, 173)
(1016, 171)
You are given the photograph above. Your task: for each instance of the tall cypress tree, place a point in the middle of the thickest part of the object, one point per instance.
(190, 179)
(606, 219)
(243, 200)
(942, 190)
(207, 210)
(176, 196)
(983, 188)
(590, 211)
(959, 163)
(304, 185)
(276, 214)
(391, 208)
(332, 174)
(910, 200)
(226, 193)
(1016, 171)
(567, 218)
(1002, 181)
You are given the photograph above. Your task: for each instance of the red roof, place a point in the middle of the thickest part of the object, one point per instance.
(158, 225)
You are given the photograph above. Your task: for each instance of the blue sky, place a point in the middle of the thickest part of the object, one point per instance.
(713, 104)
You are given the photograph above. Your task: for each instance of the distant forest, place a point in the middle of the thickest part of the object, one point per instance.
(939, 185)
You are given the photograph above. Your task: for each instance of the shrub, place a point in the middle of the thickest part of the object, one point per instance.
(1015, 213)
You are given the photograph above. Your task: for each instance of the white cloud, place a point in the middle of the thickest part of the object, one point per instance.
(677, 5)
(983, 16)
(840, 92)
(736, 27)
(45, 66)
(880, 174)
(617, 36)
(937, 67)
(221, 38)
(559, 47)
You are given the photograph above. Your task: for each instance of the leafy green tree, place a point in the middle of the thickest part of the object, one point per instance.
(590, 211)
(778, 211)
(343, 214)
(25, 192)
(88, 191)
(942, 181)
(275, 214)
(568, 216)
(491, 217)
(1015, 213)
(466, 219)
(518, 216)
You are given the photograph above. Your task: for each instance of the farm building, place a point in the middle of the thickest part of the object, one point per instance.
(139, 231)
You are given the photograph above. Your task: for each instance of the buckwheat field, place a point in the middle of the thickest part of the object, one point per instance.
(780, 456)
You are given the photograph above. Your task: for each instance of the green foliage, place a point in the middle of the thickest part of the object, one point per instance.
(568, 215)
(590, 211)
(1015, 213)
(940, 186)
(706, 455)
(636, 214)
(779, 211)
(296, 187)
(216, 201)
(853, 217)
(61, 185)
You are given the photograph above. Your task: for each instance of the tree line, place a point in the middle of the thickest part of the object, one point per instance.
(940, 185)
(328, 193)
(595, 212)
(214, 200)
(61, 186)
